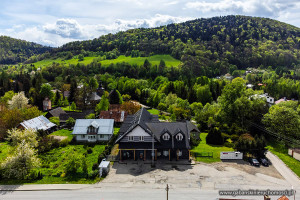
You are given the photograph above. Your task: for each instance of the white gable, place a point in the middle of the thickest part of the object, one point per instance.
(138, 131)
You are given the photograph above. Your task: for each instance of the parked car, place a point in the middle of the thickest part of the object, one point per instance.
(264, 161)
(254, 161)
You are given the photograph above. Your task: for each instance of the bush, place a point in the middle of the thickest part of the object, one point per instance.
(64, 142)
(101, 157)
(70, 122)
(234, 137)
(225, 136)
(228, 144)
(90, 116)
(95, 166)
(214, 136)
(195, 142)
(89, 150)
(93, 174)
(46, 143)
(54, 120)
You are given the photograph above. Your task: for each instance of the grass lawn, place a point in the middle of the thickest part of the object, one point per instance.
(5, 150)
(68, 108)
(203, 147)
(63, 132)
(154, 111)
(116, 131)
(282, 153)
(154, 60)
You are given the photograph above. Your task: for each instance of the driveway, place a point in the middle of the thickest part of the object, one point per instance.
(216, 176)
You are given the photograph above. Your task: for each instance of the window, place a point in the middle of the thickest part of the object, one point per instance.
(130, 138)
(165, 153)
(141, 138)
(179, 153)
(179, 136)
(82, 136)
(166, 136)
(101, 136)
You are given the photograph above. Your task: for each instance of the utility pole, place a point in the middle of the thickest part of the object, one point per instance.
(152, 162)
(167, 189)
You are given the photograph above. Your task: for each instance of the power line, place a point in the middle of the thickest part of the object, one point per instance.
(286, 138)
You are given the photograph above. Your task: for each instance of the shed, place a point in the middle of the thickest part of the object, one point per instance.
(104, 167)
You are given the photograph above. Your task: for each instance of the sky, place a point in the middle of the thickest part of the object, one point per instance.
(56, 22)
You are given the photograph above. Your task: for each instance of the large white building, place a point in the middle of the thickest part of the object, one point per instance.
(93, 130)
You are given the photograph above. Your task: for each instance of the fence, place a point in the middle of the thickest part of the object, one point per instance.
(112, 158)
(202, 154)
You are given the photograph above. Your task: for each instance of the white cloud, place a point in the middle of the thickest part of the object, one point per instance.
(67, 30)
(266, 8)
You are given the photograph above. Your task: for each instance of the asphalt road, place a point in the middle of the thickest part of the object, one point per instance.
(119, 194)
(288, 175)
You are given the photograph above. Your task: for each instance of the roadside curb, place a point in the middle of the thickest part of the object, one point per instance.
(41, 189)
(24, 190)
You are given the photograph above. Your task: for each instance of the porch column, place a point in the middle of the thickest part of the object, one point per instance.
(189, 155)
(169, 154)
(120, 151)
(133, 154)
(155, 154)
(144, 154)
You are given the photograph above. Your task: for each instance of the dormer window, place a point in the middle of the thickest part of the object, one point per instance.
(92, 129)
(166, 136)
(179, 137)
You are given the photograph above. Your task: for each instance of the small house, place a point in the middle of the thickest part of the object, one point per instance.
(46, 104)
(117, 116)
(58, 112)
(38, 123)
(93, 130)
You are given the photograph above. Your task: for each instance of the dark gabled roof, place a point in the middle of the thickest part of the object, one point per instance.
(152, 125)
(79, 115)
(57, 112)
(158, 129)
(140, 118)
(192, 127)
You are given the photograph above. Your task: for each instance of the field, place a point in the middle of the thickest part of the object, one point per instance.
(154, 60)
(47, 62)
(203, 147)
(282, 152)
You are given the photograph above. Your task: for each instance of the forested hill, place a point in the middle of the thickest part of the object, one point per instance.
(206, 46)
(15, 51)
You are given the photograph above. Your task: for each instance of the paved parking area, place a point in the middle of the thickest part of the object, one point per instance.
(216, 176)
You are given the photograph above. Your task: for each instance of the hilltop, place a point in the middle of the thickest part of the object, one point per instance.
(14, 51)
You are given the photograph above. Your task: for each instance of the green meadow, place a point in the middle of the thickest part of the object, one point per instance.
(154, 60)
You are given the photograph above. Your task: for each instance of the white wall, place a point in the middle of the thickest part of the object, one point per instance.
(79, 138)
(105, 138)
(138, 131)
(297, 156)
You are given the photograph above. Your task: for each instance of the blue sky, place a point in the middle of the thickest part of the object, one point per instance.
(54, 22)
